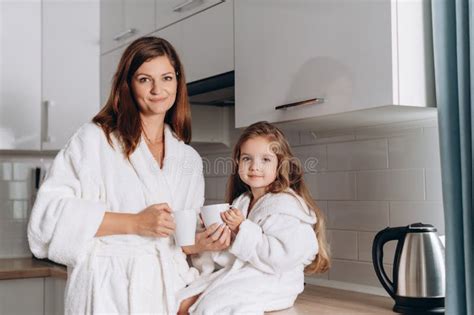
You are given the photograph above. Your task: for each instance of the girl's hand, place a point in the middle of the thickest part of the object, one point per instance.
(214, 238)
(155, 220)
(233, 218)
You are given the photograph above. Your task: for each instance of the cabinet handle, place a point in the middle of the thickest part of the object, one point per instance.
(184, 4)
(124, 34)
(47, 108)
(317, 100)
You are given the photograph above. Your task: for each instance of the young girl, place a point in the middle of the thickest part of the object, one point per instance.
(278, 232)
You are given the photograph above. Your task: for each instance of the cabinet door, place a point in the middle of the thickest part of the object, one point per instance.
(124, 21)
(20, 75)
(171, 11)
(108, 66)
(139, 17)
(292, 51)
(21, 296)
(71, 55)
(112, 23)
(208, 42)
(54, 289)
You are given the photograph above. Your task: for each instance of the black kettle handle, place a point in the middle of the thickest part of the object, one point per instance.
(382, 237)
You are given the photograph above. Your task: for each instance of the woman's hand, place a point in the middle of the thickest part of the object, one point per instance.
(233, 217)
(155, 220)
(214, 238)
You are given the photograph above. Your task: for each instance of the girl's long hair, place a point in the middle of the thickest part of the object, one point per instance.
(289, 175)
(121, 114)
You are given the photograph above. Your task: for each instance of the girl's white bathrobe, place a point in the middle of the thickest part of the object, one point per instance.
(264, 268)
(120, 273)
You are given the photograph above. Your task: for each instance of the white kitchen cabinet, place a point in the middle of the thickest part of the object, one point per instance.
(49, 74)
(170, 11)
(205, 50)
(108, 66)
(361, 62)
(54, 289)
(22, 296)
(123, 21)
(208, 42)
(71, 68)
(20, 75)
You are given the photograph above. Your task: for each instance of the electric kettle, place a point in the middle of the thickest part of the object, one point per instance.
(418, 282)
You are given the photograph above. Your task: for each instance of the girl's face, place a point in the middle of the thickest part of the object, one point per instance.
(154, 86)
(257, 164)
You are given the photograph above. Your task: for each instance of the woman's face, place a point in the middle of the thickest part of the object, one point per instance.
(154, 86)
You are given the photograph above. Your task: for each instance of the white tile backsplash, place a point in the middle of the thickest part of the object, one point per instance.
(292, 136)
(358, 215)
(343, 244)
(16, 199)
(313, 158)
(6, 171)
(332, 185)
(401, 184)
(20, 209)
(23, 171)
(358, 155)
(355, 272)
(415, 151)
(19, 190)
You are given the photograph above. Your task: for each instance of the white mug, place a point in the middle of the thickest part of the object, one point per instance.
(185, 232)
(212, 213)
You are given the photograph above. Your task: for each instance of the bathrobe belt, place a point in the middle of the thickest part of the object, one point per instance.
(155, 248)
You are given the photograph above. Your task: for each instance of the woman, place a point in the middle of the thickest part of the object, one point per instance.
(105, 209)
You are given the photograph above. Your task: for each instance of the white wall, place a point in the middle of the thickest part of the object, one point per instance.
(364, 180)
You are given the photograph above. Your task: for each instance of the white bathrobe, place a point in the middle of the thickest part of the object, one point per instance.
(120, 273)
(264, 268)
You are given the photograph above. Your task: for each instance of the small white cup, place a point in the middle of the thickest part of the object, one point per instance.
(212, 213)
(185, 232)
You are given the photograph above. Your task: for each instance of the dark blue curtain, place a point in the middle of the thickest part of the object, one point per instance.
(453, 40)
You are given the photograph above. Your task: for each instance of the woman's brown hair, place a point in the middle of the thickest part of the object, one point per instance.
(289, 175)
(121, 114)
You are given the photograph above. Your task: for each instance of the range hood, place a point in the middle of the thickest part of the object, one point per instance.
(212, 101)
(217, 90)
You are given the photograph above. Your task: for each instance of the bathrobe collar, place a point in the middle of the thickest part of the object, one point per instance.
(159, 183)
(288, 202)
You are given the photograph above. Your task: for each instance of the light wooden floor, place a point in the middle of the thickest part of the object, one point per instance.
(328, 301)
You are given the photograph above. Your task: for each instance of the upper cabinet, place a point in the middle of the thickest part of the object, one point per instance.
(171, 11)
(71, 68)
(314, 58)
(205, 50)
(49, 82)
(125, 20)
(20, 75)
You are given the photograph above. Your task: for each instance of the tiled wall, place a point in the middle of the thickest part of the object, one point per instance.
(16, 197)
(364, 180)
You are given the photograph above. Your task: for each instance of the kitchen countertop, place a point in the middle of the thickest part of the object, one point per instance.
(20, 268)
(329, 301)
(314, 299)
